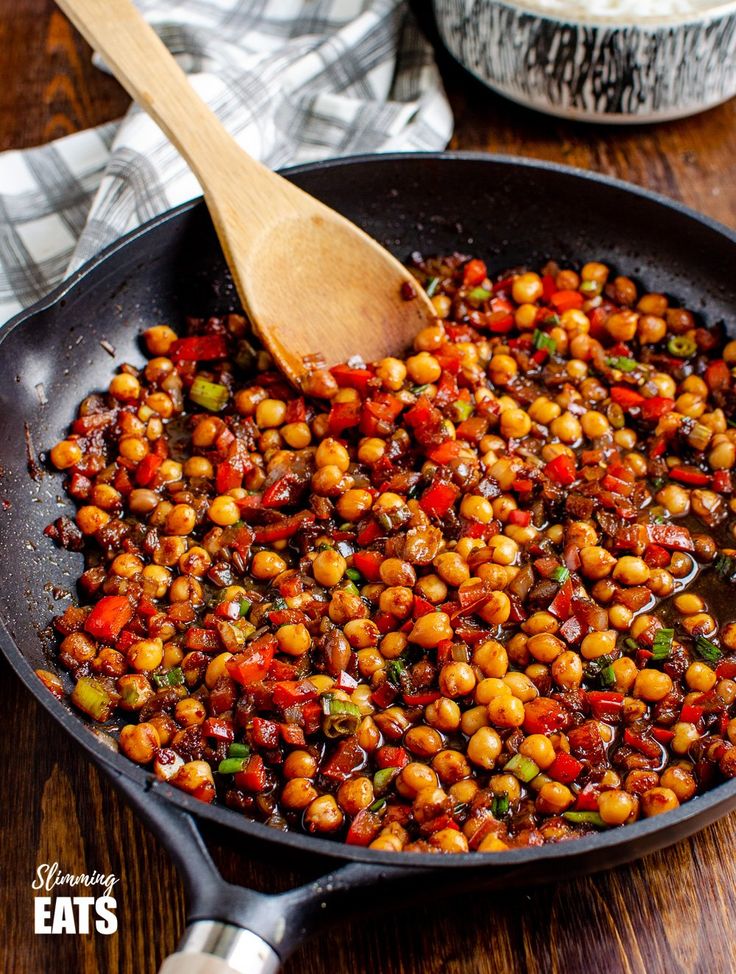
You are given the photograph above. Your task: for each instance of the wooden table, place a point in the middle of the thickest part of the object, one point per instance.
(669, 914)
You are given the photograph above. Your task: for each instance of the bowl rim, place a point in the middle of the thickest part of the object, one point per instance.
(650, 23)
(625, 844)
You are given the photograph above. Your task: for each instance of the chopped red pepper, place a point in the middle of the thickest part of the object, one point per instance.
(438, 499)
(108, 617)
(343, 416)
(283, 491)
(347, 756)
(691, 713)
(368, 563)
(625, 397)
(200, 348)
(690, 476)
(219, 728)
(446, 452)
(474, 273)
(722, 482)
(253, 663)
(520, 518)
(392, 757)
(718, 376)
(565, 768)
(562, 470)
(561, 605)
(656, 407)
(606, 705)
(281, 530)
(642, 743)
(253, 777)
(147, 469)
(349, 378)
(229, 477)
(364, 828)
(549, 287)
(289, 692)
(421, 698)
(563, 301)
(544, 715)
(265, 733)
(662, 734)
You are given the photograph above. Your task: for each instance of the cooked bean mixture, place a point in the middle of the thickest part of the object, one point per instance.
(474, 599)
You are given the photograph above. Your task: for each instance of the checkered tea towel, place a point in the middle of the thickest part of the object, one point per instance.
(292, 80)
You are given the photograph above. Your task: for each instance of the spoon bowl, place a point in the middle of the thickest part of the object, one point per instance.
(317, 289)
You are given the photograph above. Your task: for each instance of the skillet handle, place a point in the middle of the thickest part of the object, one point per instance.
(211, 947)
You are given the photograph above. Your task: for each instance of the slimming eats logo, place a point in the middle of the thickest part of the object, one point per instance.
(74, 914)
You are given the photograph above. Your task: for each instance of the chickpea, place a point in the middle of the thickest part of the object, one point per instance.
(300, 764)
(431, 629)
(699, 676)
(594, 424)
(432, 588)
(527, 288)
(423, 741)
(622, 325)
(451, 767)
(297, 794)
(190, 711)
(506, 711)
(456, 679)
(355, 794)
(331, 453)
(521, 686)
(223, 511)
(484, 747)
(423, 368)
(489, 688)
(146, 655)
(539, 748)
(553, 798)
(496, 610)
(476, 508)
(566, 428)
(394, 571)
(631, 571)
(505, 550)
(270, 413)
(615, 806)
(443, 714)
(679, 780)
(452, 568)
(597, 644)
(139, 742)
(449, 841)
(90, 519)
(329, 567)
(652, 685)
(354, 504)
(515, 423)
(413, 778)
(491, 658)
(502, 369)
(658, 800)
(596, 562)
(545, 647)
(567, 670)
(66, 454)
(296, 435)
(267, 564)
(392, 371)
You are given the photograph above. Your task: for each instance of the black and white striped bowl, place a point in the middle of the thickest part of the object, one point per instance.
(598, 70)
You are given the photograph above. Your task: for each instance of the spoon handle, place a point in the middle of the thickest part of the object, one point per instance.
(142, 64)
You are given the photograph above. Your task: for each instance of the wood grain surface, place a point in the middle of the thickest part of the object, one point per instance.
(671, 913)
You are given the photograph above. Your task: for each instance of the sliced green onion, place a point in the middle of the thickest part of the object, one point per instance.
(479, 294)
(278, 605)
(431, 286)
(500, 805)
(595, 667)
(395, 669)
(707, 650)
(354, 575)
(172, 678)
(590, 288)
(237, 750)
(585, 818)
(232, 765)
(210, 395)
(377, 806)
(522, 767)
(351, 587)
(341, 716)
(607, 676)
(92, 698)
(540, 781)
(725, 566)
(245, 606)
(463, 409)
(382, 779)
(631, 643)
(543, 341)
(622, 363)
(552, 320)
(561, 574)
(682, 346)
(662, 644)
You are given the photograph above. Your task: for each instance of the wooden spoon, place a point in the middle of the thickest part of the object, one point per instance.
(316, 288)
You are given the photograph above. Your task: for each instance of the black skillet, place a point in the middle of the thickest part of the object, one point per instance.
(511, 212)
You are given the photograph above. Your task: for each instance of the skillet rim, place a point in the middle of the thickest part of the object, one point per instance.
(635, 839)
